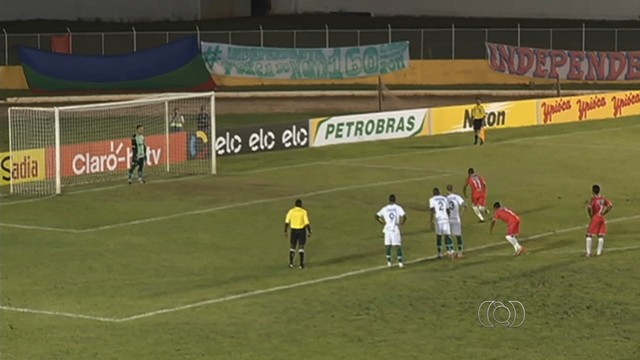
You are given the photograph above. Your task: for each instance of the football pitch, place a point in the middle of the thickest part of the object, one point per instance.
(196, 268)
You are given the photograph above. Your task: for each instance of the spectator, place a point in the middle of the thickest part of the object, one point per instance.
(204, 119)
(177, 121)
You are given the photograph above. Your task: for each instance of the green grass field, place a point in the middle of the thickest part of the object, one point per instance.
(197, 269)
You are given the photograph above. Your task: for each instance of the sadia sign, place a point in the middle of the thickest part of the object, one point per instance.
(369, 127)
(22, 166)
(262, 138)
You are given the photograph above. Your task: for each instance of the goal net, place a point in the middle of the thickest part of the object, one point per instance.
(58, 147)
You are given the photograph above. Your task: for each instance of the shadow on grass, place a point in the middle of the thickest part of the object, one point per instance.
(350, 257)
(434, 146)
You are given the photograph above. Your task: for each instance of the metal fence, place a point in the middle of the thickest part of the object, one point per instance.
(452, 43)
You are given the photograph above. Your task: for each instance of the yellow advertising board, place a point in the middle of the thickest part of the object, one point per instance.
(589, 107)
(23, 166)
(453, 119)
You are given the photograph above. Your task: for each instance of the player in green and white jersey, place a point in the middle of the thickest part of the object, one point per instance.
(139, 154)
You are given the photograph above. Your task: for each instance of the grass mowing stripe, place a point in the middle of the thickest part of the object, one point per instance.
(314, 163)
(224, 207)
(294, 285)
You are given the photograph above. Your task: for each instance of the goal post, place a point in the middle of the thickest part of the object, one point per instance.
(58, 147)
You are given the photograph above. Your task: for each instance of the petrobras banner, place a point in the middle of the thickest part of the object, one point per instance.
(262, 138)
(565, 64)
(589, 107)
(369, 127)
(320, 63)
(453, 119)
(22, 166)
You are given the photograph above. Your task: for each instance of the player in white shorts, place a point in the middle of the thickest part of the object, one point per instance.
(392, 216)
(457, 206)
(439, 206)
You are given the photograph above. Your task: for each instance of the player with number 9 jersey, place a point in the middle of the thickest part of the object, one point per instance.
(392, 216)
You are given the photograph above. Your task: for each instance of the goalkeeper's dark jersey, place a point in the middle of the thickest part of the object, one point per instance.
(138, 147)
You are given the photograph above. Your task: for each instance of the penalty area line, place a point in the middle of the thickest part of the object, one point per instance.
(294, 285)
(58, 313)
(342, 276)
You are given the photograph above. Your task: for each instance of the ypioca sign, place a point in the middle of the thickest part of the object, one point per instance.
(589, 107)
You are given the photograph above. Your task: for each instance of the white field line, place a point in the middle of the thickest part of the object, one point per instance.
(588, 146)
(58, 313)
(606, 250)
(428, 151)
(226, 207)
(315, 163)
(24, 201)
(102, 188)
(294, 285)
(566, 252)
(40, 228)
(354, 164)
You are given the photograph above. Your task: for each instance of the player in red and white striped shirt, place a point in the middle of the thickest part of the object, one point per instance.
(513, 226)
(478, 193)
(597, 208)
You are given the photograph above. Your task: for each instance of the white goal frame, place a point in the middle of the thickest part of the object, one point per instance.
(165, 98)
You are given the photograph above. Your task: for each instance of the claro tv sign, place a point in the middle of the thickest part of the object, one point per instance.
(262, 138)
(115, 155)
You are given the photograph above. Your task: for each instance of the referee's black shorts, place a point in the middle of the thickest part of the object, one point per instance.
(298, 237)
(477, 124)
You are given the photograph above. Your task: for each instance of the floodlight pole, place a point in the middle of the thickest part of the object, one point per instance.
(6, 47)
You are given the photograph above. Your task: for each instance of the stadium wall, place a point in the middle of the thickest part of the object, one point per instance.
(420, 73)
(117, 10)
(543, 9)
(12, 78)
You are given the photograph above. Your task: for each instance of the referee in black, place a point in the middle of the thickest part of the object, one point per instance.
(297, 220)
(478, 113)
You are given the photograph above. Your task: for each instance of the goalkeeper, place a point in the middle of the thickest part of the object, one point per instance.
(139, 154)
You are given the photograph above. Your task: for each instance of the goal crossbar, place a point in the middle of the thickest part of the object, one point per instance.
(90, 144)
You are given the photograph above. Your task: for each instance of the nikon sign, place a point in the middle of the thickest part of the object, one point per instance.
(369, 127)
(451, 119)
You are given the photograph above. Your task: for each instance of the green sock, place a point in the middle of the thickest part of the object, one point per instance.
(388, 253)
(448, 242)
(460, 243)
(439, 244)
(400, 254)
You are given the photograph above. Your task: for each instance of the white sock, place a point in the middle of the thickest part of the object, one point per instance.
(514, 242)
(589, 242)
(600, 245)
(483, 209)
(476, 209)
